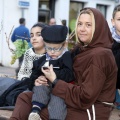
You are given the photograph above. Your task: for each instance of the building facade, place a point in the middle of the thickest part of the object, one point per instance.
(41, 11)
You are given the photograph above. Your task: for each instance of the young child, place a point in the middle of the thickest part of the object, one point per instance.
(116, 48)
(57, 55)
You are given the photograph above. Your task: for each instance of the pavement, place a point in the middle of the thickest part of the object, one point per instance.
(7, 71)
(10, 72)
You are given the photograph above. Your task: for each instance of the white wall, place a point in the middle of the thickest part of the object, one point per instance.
(10, 14)
(62, 10)
(1, 43)
(33, 13)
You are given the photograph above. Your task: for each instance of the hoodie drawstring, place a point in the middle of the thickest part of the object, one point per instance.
(88, 112)
(93, 110)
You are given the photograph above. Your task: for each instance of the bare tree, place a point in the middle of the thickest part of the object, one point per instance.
(8, 39)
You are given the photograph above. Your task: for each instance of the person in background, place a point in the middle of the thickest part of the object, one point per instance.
(63, 22)
(59, 57)
(115, 30)
(52, 21)
(95, 70)
(21, 32)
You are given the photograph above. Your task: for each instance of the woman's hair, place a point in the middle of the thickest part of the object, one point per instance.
(116, 9)
(89, 12)
(39, 24)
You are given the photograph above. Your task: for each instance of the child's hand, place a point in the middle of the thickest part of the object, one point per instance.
(41, 80)
(37, 82)
(49, 73)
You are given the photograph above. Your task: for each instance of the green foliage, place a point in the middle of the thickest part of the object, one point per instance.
(20, 48)
(72, 24)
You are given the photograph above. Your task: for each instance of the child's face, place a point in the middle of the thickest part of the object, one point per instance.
(54, 50)
(116, 22)
(36, 38)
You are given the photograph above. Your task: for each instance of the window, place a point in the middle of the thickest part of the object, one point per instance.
(102, 8)
(46, 10)
(75, 7)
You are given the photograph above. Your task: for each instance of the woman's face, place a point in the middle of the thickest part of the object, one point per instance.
(84, 28)
(36, 38)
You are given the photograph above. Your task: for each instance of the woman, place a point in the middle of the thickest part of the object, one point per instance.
(95, 74)
(34, 53)
(31, 54)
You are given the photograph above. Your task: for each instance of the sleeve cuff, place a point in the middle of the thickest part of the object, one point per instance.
(54, 83)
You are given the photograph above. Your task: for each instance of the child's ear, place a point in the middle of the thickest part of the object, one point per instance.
(113, 22)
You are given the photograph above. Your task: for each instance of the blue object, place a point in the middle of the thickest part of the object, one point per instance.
(21, 32)
(117, 100)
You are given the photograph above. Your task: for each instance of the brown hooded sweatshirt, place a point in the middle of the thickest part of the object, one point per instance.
(95, 72)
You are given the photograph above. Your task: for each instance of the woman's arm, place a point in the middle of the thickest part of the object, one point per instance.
(85, 93)
(82, 96)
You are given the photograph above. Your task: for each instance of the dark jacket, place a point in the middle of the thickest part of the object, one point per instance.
(65, 71)
(8, 98)
(116, 52)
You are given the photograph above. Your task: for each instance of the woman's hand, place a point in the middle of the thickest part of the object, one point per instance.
(49, 73)
(41, 81)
